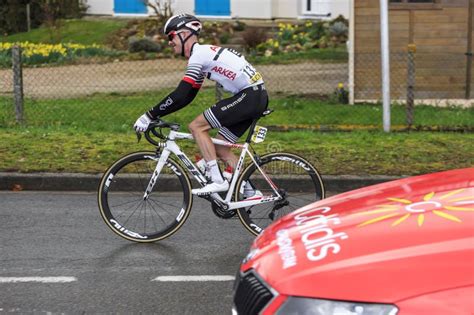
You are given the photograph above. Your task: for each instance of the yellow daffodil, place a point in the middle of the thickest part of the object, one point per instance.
(46, 51)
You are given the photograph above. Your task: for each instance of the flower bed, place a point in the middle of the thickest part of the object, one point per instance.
(303, 37)
(144, 39)
(36, 54)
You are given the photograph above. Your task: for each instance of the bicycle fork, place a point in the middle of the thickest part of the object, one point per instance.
(159, 166)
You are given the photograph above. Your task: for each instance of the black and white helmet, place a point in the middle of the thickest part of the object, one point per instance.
(183, 21)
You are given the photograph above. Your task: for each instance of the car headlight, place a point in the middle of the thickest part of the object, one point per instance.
(307, 306)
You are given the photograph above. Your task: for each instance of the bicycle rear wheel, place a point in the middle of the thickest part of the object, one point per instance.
(130, 215)
(296, 180)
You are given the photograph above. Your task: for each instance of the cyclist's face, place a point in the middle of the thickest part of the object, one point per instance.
(174, 40)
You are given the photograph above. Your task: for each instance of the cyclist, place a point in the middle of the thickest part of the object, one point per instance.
(231, 116)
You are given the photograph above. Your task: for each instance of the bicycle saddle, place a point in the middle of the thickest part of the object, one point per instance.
(267, 112)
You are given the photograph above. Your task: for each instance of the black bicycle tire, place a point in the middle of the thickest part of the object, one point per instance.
(124, 231)
(251, 226)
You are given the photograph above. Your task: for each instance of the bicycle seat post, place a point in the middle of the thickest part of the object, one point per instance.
(254, 123)
(251, 130)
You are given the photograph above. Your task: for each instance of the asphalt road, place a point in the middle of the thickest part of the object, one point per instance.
(55, 234)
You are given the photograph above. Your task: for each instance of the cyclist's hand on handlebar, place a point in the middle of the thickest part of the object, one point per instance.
(141, 125)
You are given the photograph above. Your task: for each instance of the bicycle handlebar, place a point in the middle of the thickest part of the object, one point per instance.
(155, 128)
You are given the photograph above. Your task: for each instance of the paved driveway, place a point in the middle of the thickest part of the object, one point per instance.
(152, 75)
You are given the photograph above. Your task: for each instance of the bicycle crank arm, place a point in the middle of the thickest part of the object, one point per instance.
(218, 201)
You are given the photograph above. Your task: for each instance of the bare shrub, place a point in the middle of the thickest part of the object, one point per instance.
(254, 36)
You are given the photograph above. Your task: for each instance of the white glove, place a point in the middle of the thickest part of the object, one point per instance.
(141, 125)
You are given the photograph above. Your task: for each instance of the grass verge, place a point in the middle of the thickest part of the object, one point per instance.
(86, 32)
(116, 113)
(327, 55)
(88, 134)
(357, 153)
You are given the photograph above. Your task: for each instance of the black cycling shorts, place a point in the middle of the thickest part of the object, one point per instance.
(234, 115)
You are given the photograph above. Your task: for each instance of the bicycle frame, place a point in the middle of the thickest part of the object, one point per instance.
(170, 146)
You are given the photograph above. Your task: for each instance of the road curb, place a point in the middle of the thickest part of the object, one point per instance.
(90, 182)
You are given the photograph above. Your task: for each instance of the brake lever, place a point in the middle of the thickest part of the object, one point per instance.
(139, 136)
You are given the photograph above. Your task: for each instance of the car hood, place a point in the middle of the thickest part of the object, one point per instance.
(382, 243)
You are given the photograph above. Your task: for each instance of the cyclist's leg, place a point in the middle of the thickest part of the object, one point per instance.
(232, 116)
(225, 153)
(241, 110)
(200, 127)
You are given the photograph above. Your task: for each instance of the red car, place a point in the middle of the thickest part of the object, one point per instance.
(402, 247)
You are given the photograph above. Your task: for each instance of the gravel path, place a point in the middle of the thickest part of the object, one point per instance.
(150, 75)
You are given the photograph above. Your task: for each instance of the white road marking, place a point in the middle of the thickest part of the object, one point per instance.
(193, 278)
(37, 279)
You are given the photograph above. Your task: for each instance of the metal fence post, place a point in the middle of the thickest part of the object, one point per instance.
(17, 83)
(410, 85)
(385, 55)
(28, 17)
(469, 50)
(468, 74)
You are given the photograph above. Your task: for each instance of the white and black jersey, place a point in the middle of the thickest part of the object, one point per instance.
(222, 65)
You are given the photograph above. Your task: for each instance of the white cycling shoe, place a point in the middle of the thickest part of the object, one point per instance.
(253, 193)
(211, 188)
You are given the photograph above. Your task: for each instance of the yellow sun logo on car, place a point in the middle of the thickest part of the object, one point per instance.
(442, 206)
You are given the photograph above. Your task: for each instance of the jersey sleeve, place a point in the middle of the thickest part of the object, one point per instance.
(180, 97)
(194, 75)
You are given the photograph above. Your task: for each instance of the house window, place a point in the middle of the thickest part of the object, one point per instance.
(415, 4)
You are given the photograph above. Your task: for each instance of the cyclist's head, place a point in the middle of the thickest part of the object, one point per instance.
(177, 23)
(182, 23)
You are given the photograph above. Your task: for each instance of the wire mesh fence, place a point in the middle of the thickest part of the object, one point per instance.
(427, 89)
(115, 93)
(431, 76)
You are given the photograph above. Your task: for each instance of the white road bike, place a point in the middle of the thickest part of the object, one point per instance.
(146, 196)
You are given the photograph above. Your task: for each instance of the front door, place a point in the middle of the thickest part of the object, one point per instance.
(212, 7)
(130, 7)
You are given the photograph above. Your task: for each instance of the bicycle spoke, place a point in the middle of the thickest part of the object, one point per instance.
(168, 204)
(144, 223)
(133, 212)
(159, 216)
(139, 212)
(128, 202)
(161, 207)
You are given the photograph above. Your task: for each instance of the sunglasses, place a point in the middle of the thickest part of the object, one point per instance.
(172, 35)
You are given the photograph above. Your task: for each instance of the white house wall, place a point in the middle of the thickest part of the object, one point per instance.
(183, 6)
(100, 7)
(340, 7)
(285, 8)
(256, 9)
(251, 9)
(320, 8)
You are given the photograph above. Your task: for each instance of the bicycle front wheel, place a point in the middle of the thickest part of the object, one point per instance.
(133, 215)
(295, 179)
